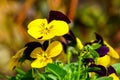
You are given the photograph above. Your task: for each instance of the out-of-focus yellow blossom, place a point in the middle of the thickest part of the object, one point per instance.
(41, 29)
(105, 60)
(45, 57)
(15, 59)
(114, 76)
(79, 43)
(112, 52)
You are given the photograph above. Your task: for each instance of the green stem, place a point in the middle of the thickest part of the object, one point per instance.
(36, 74)
(40, 75)
(33, 72)
(69, 54)
(79, 66)
(68, 57)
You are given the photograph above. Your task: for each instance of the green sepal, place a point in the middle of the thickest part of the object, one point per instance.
(96, 46)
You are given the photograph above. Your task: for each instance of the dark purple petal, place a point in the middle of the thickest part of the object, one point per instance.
(103, 50)
(57, 15)
(45, 45)
(33, 44)
(89, 60)
(70, 37)
(101, 72)
(64, 46)
(111, 70)
(99, 38)
(67, 37)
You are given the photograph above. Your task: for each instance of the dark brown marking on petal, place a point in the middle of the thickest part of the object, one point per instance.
(40, 37)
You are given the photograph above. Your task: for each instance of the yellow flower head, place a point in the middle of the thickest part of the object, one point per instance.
(41, 29)
(15, 59)
(42, 58)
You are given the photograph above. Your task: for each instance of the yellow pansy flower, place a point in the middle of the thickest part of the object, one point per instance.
(45, 57)
(41, 29)
(114, 76)
(15, 59)
(112, 52)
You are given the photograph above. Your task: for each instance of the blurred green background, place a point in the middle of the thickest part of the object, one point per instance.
(87, 17)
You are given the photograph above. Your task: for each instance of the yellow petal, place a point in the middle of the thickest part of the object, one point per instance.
(37, 52)
(112, 52)
(14, 60)
(105, 60)
(58, 28)
(36, 27)
(79, 43)
(40, 62)
(54, 49)
(114, 76)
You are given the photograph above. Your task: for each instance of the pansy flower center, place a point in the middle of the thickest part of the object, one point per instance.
(44, 54)
(45, 31)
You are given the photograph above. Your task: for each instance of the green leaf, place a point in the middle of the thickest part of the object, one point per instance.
(92, 69)
(105, 78)
(57, 70)
(117, 68)
(94, 53)
(96, 46)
